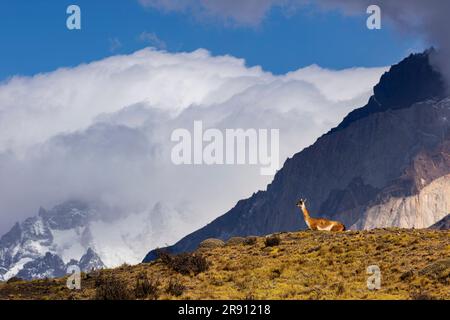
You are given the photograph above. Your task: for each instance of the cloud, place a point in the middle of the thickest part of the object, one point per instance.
(101, 131)
(114, 44)
(236, 12)
(427, 19)
(153, 40)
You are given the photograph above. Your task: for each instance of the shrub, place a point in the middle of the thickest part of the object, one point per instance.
(124, 266)
(111, 288)
(13, 280)
(339, 288)
(250, 296)
(236, 241)
(164, 256)
(407, 275)
(185, 263)
(175, 287)
(146, 288)
(250, 241)
(421, 295)
(275, 273)
(272, 241)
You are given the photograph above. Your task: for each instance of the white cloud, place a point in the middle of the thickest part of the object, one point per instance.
(248, 12)
(101, 131)
(114, 44)
(152, 40)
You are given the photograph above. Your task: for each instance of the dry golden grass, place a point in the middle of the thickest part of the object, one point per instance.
(415, 264)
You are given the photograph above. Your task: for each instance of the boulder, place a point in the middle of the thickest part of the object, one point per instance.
(211, 244)
(235, 241)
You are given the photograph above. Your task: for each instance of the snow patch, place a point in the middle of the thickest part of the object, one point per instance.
(16, 268)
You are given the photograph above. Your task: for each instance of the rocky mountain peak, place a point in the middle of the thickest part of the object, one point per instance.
(70, 214)
(412, 80)
(51, 265)
(30, 245)
(48, 266)
(91, 261)
(11, 237)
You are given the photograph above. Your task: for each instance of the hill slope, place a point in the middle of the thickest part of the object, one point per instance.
(387, 165)
(414, 264)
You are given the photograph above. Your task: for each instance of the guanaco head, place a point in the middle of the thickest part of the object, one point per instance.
(301, 203)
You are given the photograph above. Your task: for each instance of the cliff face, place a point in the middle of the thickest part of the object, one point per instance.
(419, 198)
(389, 167)
(421, 210)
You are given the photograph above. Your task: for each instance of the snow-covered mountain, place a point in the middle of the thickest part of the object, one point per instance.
(48, 266)
(74, 233)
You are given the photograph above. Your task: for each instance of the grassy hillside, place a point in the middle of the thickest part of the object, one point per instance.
(415, 264)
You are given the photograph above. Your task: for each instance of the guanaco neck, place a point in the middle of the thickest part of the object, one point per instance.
(305, 213)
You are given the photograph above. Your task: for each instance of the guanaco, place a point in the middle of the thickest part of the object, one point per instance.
(319, 224)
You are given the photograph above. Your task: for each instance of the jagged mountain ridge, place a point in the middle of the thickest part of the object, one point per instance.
(77, 229)
(52, 266)
(31, 249)
(48, 266)
(68, 215)
(391, 152)
(90, 261)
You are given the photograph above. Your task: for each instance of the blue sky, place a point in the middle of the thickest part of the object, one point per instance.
(35, 39)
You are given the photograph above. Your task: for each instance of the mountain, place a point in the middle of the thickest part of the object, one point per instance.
(386, 165)
(75, 232)
(36, 246)
(69, 215)
(48, 266)
(52, 266)
(91, 261)
(301, 265)
(411, 81)
(443, 224)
